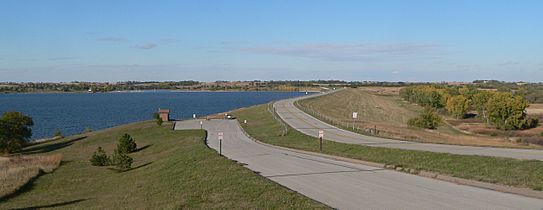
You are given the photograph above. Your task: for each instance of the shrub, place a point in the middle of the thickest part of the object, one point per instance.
(100, 158)
(121, 160)
(58, 134)
(126, 144)
(427, 119)
(541, 134)
(158, 119)
(87, 130)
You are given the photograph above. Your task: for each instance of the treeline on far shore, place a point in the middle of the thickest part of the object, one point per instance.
(532, 92)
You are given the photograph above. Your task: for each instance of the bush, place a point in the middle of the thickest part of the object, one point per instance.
(121, 160)
(58, 134)
(541, 134)
(126, 144)
(100, 158)
(427, 119)
(158, 119)
(87, 130)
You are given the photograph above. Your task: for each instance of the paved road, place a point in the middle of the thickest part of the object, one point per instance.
(309, 125)
(345, 185)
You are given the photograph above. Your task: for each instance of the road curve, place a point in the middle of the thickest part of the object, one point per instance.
(346, 185)
(310, 125)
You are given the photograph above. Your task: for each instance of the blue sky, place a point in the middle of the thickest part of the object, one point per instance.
(54, 40)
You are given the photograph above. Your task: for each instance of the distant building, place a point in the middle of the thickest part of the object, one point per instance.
(164, 114)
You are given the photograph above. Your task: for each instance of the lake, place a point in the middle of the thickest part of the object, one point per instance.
(71, 113)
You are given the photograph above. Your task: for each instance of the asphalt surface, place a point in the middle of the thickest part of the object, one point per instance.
(309, 125)
(346, 185)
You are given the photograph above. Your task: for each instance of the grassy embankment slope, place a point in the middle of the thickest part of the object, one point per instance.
(383, 108)
(172, 169)
(521, 173)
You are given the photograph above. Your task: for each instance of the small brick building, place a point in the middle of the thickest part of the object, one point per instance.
(164, 114)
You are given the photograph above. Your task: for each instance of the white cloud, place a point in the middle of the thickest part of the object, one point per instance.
(146, 46)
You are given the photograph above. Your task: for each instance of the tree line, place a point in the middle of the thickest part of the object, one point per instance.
(503, 110)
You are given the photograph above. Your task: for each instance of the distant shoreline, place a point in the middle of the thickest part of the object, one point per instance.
(150, 91)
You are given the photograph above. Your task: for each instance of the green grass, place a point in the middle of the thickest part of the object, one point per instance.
(173, 170)
(521, 173)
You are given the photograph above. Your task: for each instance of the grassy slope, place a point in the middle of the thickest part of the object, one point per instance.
(174, 170)
(523, 173)
(390, 114)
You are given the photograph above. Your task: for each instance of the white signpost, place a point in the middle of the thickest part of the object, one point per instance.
(355, 116)
(201, 125)
(220, 134)
(321, 135)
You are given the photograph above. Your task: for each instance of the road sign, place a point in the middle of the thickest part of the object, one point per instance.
(221, 135)
(355, 115)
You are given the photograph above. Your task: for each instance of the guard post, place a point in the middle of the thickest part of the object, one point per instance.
(220, 142)
(321, 135)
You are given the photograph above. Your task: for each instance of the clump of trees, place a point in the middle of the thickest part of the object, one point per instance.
(458, 106)
(119, 158)
(15, 131)
(427, 119)
(503, 110)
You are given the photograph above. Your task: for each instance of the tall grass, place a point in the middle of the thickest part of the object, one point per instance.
(17, 171)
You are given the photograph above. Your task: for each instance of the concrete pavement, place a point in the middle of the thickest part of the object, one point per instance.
(309, 125)
(346, 185)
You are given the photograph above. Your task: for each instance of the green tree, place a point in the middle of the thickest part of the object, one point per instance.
(508, 112)
(15, 131)
(427, 119)
(100, 158)
(479, 102)
(126, 144)
(121, 160)
(458, 106)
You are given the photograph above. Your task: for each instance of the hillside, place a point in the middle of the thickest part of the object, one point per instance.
(172, 169)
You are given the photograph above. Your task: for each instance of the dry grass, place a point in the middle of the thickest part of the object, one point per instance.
(382, 107)
(535, 109)
(15, 172)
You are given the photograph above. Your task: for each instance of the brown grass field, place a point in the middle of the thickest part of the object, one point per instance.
(535, 109)
(16, 171)
(382, 107)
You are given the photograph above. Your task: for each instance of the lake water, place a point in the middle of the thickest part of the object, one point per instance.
(71, 113)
